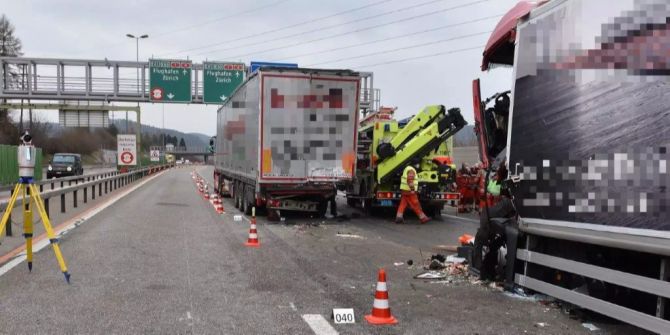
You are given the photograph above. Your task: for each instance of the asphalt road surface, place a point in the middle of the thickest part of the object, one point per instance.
(161, 261)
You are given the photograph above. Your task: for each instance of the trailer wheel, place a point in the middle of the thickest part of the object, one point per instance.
(246, 204)
(366, 203)
(321, 208)
(236, 195)
(273, 215)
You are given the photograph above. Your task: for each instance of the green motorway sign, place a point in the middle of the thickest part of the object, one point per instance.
(220, 80)
(170, 80)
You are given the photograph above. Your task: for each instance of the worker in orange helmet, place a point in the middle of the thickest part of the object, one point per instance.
(408, 186)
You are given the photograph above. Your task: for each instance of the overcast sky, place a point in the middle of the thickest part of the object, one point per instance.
(197, 29)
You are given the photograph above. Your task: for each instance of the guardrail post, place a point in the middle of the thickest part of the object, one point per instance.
(46, 206)
(41, 188)
(52, 185)
(69, 183)
(100, 189)
(61, 183)
(8, 229)
(116, 186)
(62, 203)
(74, 198)
(85, 194)
(93, 192)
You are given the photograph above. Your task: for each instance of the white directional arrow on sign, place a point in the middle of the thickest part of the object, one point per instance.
(237, 74)
(222, 97)
(185, 72)
(170, 96)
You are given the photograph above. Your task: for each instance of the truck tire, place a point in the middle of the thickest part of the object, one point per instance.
(236, 194)
(321, 208)
(366, 203)
(273, 215)
(246, 204)
(351, 202)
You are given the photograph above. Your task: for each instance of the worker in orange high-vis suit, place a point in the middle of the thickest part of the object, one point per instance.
(408, 186)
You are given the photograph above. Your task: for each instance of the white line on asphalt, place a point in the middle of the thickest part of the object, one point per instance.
(319, 324)
(45, 242)
(188, 315)
(293, 306)
(460, 218)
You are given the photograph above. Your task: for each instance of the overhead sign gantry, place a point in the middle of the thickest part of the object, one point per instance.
(164, 81)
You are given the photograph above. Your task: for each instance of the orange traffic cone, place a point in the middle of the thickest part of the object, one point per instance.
(381, 312)
(253, 234)
(218, 205)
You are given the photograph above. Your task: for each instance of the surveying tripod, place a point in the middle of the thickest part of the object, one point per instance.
(30, 196)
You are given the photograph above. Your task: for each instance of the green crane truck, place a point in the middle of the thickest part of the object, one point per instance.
(386, 146)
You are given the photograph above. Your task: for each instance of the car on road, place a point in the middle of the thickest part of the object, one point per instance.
(65, 164)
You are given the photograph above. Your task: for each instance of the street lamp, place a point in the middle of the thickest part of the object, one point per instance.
(137, 58)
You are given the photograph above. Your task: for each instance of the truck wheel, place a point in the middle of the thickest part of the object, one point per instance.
(273, 215)
(351, 202)
(246, 204)
(236, 195)
(433, 212)
(321, 208)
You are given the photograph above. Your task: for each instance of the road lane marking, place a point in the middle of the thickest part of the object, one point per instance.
(460, 218)
(319, 324)
(18, 255)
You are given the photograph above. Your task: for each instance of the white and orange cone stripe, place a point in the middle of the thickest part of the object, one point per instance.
(381, 312)
(253, 241)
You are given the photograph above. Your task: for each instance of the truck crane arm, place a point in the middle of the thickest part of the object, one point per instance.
(428, 130)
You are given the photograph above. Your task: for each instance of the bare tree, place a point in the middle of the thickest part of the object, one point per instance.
(10, 46)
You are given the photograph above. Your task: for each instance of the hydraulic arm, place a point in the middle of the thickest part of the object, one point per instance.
(425, 132)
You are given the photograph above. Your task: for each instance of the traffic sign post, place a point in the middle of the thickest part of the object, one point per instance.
(220, 81)
(126, 148)
(170, 80)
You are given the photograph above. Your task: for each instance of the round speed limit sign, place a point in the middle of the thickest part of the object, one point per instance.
(127, 157)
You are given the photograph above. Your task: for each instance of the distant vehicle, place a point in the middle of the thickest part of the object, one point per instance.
(187, 161)
(64, 164)
(169, 158)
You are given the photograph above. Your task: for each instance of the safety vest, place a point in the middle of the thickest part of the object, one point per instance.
(408, 178)
(493, 188)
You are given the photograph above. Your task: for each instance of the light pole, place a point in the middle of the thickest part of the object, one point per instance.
(137, 58)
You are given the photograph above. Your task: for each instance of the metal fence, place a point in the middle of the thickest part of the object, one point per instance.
(9, 166)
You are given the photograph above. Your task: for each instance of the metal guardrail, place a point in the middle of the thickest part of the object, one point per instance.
(107, 182)
(63, 180)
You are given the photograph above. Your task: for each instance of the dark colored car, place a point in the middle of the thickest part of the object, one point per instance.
(63, 165)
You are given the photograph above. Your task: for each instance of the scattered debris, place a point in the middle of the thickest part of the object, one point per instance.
(438, 257)
(541, 324)
(328, 216)
(398, 263)
(454, 259)
(436, 265)
(590, 326)
(522, 294)
(448, 248)
(410, 262)
(348, 235)
(466, 239)
(431, 275)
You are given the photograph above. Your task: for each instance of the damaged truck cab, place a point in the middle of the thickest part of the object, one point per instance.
(583, 211)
